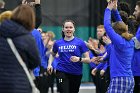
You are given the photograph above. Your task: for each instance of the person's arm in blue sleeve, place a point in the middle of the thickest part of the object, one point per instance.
(106, 58)
(105, 66)
(38, 20)
(100, 66)
(100, 54)
(115, 38)
(45, 50)
(92, 65)
(116, 15)
(108, 49)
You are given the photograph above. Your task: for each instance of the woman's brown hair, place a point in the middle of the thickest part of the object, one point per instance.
(122, 29)
(25, 16)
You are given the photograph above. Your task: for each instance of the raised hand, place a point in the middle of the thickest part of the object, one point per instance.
(37, 1)
(94, 60)
(24, 1)
(111, 4)
(106, 40)
(99, 59)
(50, 69)
(115, 4)
(30, 3)
(102, 72)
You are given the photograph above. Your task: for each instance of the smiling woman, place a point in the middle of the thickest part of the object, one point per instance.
(70, 50)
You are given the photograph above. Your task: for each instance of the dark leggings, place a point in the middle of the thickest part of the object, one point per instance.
(68, 83)
(44, 82)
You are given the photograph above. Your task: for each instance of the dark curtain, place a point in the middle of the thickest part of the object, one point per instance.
(54, 12)
(83, 12)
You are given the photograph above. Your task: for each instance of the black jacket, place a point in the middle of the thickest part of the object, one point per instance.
(12, 77)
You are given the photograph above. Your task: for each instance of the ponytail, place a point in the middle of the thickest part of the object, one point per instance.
(127, 36)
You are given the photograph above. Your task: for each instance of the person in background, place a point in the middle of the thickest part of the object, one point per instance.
(121, 53)
(40, 76)
(13, 78)
(100, 71)
(37, 8)
(69, 67)
(49, 79)
(51, 41)
(124, 16)
(136, 58)
(127, 18)
(124, 6)
(40, 72)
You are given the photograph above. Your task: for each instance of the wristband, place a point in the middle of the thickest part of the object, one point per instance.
(80, 59)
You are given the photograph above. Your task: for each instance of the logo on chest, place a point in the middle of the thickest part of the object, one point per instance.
(67, 48)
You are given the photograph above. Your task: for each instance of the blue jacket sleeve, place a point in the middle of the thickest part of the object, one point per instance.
(105, 66)
(91, 64)
(138, 34)
(100, 66)
(108, 49)
(115, 38)
(116, 15)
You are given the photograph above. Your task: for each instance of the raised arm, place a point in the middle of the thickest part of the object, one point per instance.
(38, 13)
(115, 38)
(116, 15)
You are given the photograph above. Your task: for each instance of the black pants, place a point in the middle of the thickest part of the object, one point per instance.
(68, 83)
(101, 82)
(50, 82)
(45, 81)
(41, 83)
(137, 84)
(57, 85)
(107, 78)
